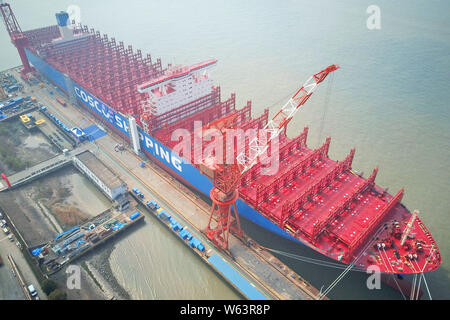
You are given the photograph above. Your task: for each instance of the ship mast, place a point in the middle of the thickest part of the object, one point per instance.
(409, 226)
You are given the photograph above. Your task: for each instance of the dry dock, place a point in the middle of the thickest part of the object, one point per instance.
(246, 267)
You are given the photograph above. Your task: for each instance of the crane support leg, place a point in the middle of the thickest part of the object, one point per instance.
(226, 223)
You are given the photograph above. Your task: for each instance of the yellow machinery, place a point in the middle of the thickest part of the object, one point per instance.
(24, 118)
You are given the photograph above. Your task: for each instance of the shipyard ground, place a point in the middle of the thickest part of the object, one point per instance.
(276, 280)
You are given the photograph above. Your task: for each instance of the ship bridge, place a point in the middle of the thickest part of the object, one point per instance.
(177, 86)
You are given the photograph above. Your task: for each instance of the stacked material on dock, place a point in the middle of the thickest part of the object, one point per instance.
(135, 215)
(72, 238)
(65, 233)
(164, 215)
(175, 225)
(185, 235)
(71, 243)
(195, 243)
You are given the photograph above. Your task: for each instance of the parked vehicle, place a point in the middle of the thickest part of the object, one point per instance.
(61, 102)
(32, 291)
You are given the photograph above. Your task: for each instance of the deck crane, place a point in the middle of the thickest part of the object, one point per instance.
(226, 177)
(18, 38)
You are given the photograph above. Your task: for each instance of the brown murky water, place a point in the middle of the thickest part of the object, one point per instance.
(150, 263)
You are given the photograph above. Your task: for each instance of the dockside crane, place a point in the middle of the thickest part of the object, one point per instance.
(18, 38)
(226, 177)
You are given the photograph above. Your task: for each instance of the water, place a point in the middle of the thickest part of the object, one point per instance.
(389, 100)
(162, 268)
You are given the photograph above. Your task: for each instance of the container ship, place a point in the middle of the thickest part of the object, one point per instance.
(315, 201)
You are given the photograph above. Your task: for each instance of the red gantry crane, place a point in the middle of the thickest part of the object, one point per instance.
(226, 177)
(18, 38)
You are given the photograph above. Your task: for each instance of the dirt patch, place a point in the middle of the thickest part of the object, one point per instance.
(10, 133)
(53, 198)
(68, 215)
(68, 197)
(20, 148)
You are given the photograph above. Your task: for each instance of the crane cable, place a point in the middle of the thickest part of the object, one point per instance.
(413, 287)
(423, 276)
(392, 274)
(418, 287)
(319, 262)
(327, 264)
(398, 286)
(335, 282)
(415, 291)
(334, 265)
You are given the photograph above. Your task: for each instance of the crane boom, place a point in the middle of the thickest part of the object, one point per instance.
(257, 146)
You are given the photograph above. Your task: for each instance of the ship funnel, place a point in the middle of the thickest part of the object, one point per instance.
(62, 18)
